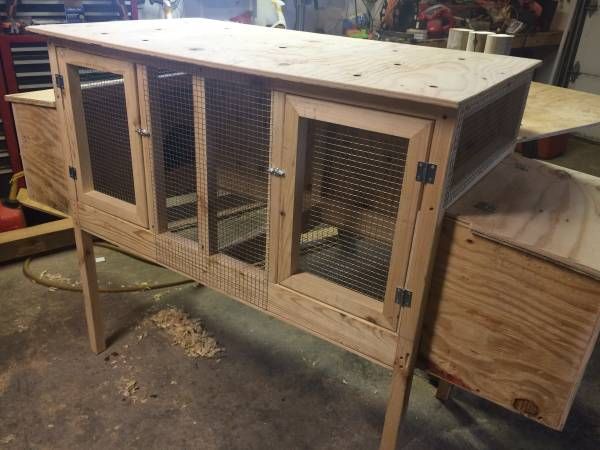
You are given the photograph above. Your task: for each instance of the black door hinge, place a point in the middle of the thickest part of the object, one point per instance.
(403, 297)
(60, 81)
(72, 172)
(426, 172)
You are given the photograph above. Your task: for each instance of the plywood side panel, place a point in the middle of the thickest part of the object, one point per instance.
(507, 326)
(42, 155)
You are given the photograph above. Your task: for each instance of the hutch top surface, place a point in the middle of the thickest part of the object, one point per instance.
(428, 75)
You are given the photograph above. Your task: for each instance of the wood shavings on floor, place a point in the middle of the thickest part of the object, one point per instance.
(187, 333)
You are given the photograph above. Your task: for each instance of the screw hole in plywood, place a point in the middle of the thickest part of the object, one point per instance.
(196, 49)
(433, 86)
(357, 75)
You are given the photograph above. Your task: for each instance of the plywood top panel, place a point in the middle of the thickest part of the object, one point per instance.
(44, 98)
(539, 207)
(552, 110)
(431, 75)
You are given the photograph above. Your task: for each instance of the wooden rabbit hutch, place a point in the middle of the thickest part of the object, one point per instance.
(305, 175)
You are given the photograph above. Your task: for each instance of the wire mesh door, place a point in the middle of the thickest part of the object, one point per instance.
(101, 104)
(210, 152)
(345, 239)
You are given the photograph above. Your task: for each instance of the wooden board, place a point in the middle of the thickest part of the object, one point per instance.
(24, 199)
(36, 239)
(44, 98)
(552, 110)
(509, 326)
(429, 75)
(42, 155)
(544, 209)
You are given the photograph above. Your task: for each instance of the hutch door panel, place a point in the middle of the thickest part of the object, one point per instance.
(102, 112)
(348, 200)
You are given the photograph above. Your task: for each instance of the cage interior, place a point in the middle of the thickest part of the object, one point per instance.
(107, 129)
(211, 139)
(352, 188)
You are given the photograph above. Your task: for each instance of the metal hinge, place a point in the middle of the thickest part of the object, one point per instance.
(60, 81)
(276, 171)
(142, 132)
(426, 172)
(403, 297)
(72, 172)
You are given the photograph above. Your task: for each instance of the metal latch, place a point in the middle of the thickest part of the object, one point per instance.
(142, 132)
(60, 81)
(276, 171)
(403, 297)
(72, 172)
(426, 172)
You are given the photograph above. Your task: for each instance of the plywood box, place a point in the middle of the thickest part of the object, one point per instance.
(43, 159)
(514, 311)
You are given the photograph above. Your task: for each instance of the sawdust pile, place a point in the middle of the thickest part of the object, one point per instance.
(187, 333)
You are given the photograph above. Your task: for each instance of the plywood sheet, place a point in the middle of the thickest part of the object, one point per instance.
(509, 326)
(552, 110)
(538, 207)
(430, 75)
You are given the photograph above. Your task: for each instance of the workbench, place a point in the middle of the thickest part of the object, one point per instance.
(334, 312)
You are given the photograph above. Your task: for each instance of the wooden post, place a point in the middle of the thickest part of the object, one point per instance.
(89, 285)
(417, 281)
(458, 38)
(499, 44)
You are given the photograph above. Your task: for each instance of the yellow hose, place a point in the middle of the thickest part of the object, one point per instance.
(67, 287)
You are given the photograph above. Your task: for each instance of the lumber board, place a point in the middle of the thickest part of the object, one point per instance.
(44, 98)
(552, 110)
(42, 155)
(24, 199)
(540, 208)
(30, 241)
(509, 326)
(429, 75)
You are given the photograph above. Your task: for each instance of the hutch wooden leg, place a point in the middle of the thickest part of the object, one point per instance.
(89, 284)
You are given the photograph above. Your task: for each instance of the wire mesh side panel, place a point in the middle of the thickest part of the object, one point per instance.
(351, 197)
(105, 116)
(486, 135)
(238, 136)
(173, 101)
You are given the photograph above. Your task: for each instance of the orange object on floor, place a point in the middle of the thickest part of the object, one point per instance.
(11, 218)
(545, 148)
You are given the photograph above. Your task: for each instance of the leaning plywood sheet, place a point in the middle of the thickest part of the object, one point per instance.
(536, 206)
(552, 110)
(429, 75)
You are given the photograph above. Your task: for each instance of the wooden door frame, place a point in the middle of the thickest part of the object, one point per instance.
(290, 157)
(68, 61)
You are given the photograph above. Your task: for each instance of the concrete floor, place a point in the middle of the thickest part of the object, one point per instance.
(276, 387)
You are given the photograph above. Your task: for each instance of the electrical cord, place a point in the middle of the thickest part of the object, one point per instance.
(28, 272)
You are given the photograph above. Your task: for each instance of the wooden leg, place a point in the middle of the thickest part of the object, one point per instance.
(444, 390)
(89, 284)
(397, 404)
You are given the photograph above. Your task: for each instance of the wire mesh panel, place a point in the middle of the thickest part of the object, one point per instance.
(211, 142)
(174, 111)
(485, 135)
(238, 136)
(351, 196)
(106, 125)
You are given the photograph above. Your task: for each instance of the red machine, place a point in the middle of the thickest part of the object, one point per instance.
(436, 19)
